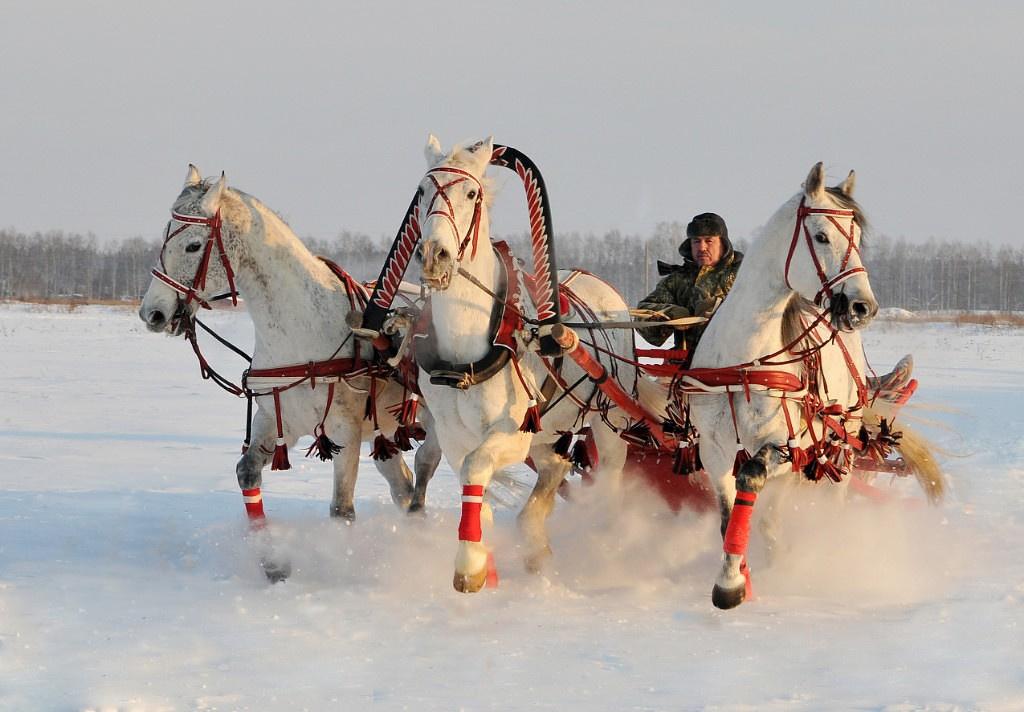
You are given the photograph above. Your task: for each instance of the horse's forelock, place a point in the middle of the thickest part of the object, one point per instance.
(846, 202)
(461, 156)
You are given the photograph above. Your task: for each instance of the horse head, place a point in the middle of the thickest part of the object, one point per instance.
(193, 262)
(453, 204)
(824, 262)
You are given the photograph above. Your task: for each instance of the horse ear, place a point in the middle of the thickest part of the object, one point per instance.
(482, 152)
(211, 201)
(814, 186)
(433, 151)
(193, 177)
(846, 187)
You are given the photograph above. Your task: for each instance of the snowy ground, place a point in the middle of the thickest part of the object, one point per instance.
(127, 583)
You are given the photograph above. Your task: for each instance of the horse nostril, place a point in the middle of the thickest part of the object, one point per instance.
(157, 317)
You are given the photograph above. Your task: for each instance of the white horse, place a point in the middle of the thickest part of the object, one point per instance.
(310, 376)
(482, 396)
(757, 370)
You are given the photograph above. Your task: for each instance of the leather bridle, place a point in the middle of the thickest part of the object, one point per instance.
(447, 212)
(845, 273)
(191, 293)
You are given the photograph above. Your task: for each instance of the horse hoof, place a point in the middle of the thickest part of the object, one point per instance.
(346, 513)
(726, 598)
(535, 562)
(470, 583)
(417, 509)
(276, 571)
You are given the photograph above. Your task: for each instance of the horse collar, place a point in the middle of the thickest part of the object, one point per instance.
(503, 324)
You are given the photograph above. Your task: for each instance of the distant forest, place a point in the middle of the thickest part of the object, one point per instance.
(933, 276)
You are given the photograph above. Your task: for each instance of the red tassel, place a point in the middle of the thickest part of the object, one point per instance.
(402, 440)
(323, 447)
(580, 457)
(683, 462)
(383, 449)
(405, 412)
(638, 433)
(561, 446)
(280, 460)
(741, 457)
(531, 422)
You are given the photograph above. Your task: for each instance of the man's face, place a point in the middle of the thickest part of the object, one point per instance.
(706, 249)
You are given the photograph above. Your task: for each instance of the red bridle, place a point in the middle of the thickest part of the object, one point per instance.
(191, 293)
(473, 231)
(844, 274)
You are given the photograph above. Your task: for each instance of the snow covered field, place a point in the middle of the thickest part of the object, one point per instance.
(126, 581)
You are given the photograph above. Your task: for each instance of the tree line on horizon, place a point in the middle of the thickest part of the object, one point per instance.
(937, 275)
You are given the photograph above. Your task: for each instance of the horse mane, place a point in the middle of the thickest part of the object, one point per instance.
(797, 313)
(192, 194)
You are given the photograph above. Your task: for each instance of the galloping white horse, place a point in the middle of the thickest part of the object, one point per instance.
(310, 376)
(757, 369)
(483, 395)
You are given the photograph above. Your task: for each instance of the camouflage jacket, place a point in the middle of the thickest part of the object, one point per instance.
(688, 285)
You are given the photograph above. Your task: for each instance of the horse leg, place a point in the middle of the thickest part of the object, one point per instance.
(500, 448)
(249, 472)
(730, 587)
(551, 471)
(612, 453)
(425, 462)
(399, 477)
(346, 470)
(773, 499)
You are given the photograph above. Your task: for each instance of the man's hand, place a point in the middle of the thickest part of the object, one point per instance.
(707, 307)
(675, 312)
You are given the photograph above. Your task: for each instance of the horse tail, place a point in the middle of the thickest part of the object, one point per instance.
(915, 449)
(653, 396)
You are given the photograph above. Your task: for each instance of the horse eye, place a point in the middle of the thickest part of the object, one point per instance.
(821, 238)
(193, 247)
(471, 195)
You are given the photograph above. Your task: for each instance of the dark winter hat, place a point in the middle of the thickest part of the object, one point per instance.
(703, 225)
(707, 224)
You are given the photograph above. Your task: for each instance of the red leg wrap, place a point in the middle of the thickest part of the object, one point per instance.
(253, 499)
(737, 533)
(492, 572)
(472, 501)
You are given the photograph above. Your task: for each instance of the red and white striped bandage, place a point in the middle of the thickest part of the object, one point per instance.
(253, 499)
(737, 534)
(472, 502)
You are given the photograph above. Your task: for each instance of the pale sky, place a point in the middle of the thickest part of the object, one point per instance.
(636, 112)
